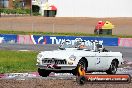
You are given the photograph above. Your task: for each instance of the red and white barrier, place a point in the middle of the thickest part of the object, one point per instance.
(125, 42)
(2, 75)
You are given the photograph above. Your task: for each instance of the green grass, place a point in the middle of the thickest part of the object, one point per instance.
(61, 34)
(17, 61)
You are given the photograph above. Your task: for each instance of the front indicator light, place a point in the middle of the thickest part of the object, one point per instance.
(70, 63)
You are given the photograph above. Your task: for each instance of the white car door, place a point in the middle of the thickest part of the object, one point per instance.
(93, 61)
(101, 60)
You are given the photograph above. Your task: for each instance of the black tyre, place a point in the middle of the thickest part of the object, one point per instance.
(83, 64)
(43, 73)
(113, 68)
(81, 80)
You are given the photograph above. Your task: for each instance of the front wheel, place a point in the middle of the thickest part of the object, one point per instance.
(43, 72)
(113, 68)
(81, 80)
(83, 64)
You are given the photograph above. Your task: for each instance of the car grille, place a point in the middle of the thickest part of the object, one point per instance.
(53, 61)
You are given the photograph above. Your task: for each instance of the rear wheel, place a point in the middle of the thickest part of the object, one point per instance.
(43, 72)
(113, 68)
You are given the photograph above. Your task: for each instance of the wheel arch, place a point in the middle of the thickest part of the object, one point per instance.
(83, 58)
(113, 68)
(110, 61)
(75, 71)
(115, 59)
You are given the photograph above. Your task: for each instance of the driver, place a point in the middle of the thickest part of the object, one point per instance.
(77, 43)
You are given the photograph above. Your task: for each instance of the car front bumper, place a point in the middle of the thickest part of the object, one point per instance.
(57, 67)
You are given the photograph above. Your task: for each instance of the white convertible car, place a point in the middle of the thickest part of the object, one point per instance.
(93, 58)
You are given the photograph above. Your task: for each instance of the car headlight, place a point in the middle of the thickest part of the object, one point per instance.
(72, 58)
(39, 61)
(39, 55)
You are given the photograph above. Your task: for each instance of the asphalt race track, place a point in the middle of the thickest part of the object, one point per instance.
(127, 51)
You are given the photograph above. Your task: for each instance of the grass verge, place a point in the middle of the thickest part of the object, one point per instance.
(61, 34)
(17, 61)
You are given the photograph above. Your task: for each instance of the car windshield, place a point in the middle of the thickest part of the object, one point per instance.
(65, 45)
(77, 44)
(80, 45)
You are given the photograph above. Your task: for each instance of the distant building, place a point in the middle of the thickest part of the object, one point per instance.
(10, 4)
(45, 7)
(91, 8)
(40, 4)
(87, 8)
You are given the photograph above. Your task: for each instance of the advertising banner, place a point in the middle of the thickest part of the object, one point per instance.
(107, 41)
(41, 39)
(8, 38)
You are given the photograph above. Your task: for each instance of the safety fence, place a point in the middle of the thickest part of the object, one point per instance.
(46, 27)
(125, 42)
(42, 39)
